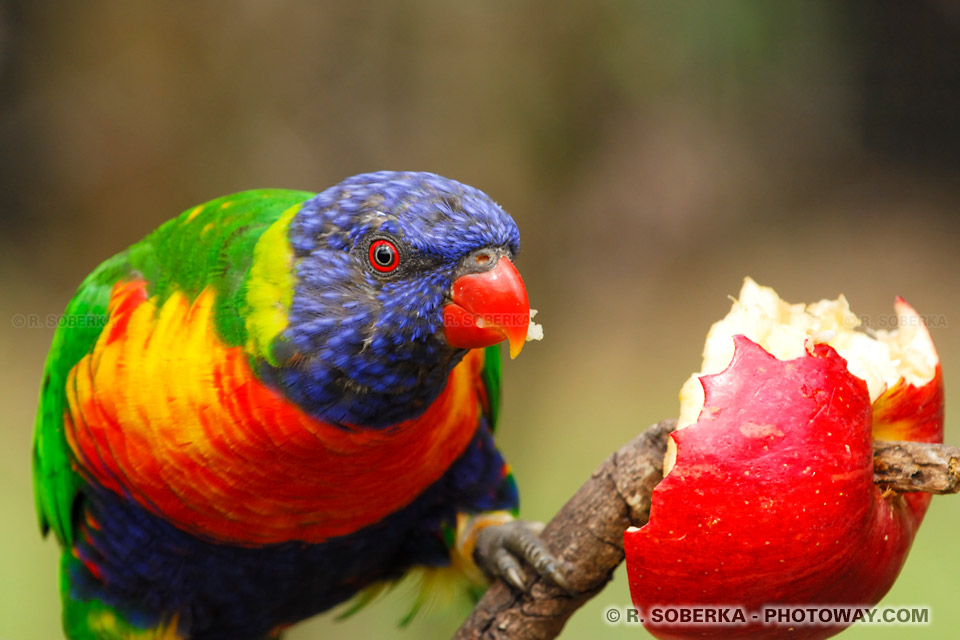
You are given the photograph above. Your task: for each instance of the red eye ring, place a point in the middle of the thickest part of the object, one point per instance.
(383, 256)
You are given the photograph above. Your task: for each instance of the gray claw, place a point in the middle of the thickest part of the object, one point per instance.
(499, 547)
(504, 564)
(515, 577)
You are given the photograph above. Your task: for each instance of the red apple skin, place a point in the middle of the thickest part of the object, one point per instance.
(772, 500)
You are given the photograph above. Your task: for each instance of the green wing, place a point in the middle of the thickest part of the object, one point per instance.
(491, 375)
(208, 245)
(55, 481)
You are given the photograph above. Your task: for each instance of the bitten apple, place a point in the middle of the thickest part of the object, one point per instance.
(768, 498)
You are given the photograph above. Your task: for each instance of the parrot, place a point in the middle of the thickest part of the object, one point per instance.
(281, 401)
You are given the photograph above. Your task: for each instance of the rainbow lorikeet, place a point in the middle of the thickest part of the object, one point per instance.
(279, 399)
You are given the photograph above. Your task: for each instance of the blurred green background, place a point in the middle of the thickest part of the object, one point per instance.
(653, 154)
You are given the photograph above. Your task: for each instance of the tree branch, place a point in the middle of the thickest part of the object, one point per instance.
(916, 466)
(587, 532)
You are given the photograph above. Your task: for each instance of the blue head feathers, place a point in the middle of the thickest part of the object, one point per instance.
(375, 259)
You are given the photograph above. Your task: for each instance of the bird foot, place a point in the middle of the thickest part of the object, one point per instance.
(501, 547)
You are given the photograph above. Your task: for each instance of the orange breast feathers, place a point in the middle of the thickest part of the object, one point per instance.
(162, 410)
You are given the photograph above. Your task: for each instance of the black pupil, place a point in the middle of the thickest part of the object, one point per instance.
(383, 255)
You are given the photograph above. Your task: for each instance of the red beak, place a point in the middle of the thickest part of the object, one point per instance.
(488, 308)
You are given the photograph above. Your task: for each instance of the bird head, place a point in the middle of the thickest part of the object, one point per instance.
(396, 276)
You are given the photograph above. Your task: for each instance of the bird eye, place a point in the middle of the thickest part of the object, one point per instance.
(384, 256)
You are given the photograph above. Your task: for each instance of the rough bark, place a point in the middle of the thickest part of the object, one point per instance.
(916, 466)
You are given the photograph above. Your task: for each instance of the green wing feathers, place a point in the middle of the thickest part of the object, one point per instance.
(55, 480)
(491, 377)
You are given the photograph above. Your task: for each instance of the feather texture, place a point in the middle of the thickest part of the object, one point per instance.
(223, 456)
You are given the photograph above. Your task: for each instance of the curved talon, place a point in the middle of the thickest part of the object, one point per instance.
(499, 547)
